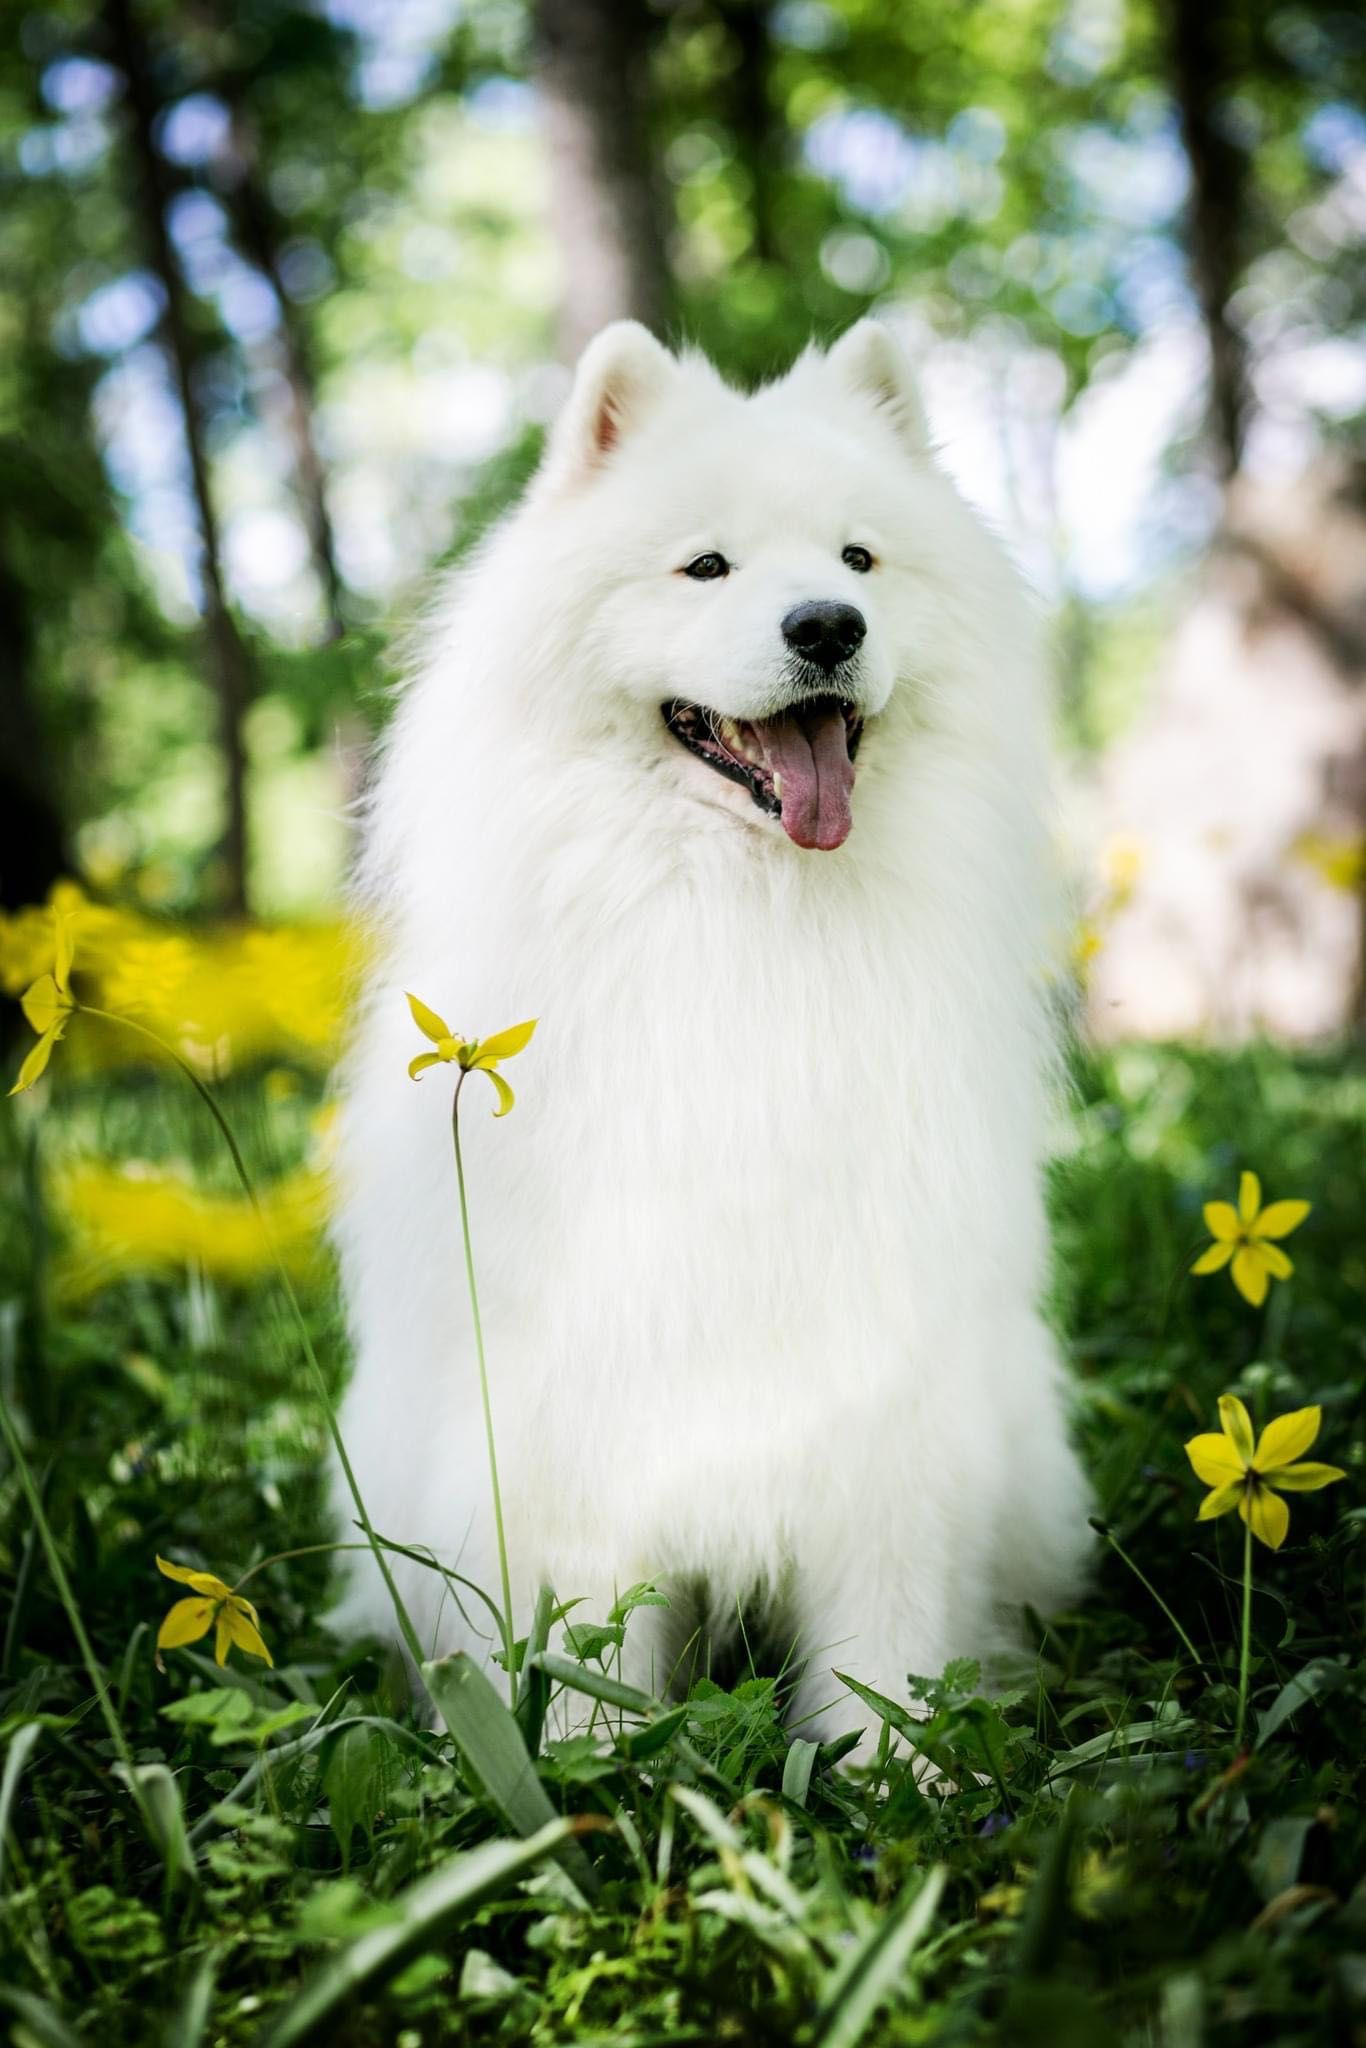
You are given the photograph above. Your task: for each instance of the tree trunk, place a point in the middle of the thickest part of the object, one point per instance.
(758, 135)
(229, 661)
(32, 842)
(591, 62)
(1202, 70)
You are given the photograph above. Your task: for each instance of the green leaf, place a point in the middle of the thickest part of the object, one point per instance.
(1319, 1676)
(16, 1756)
(42, 2024)
(596, 1684)
(871, 1974)
(422, 1915)
(534, 1696)
(797, 1768)
(166, 1818)
(354, 1779)
(587, 1639)
(487, 1736)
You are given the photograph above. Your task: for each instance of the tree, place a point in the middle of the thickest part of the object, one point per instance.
(591, 61)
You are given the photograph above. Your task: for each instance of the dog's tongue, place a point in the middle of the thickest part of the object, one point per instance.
(808, 750)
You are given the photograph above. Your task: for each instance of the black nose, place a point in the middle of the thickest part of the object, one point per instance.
(824, 631)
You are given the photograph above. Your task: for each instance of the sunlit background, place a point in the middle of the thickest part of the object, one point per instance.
(287, 294)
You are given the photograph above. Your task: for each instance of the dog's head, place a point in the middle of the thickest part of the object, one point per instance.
(750, 571)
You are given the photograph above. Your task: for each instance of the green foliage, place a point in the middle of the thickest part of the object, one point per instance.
(1068, 1852)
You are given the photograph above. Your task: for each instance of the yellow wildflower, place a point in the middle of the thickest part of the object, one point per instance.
(1243, 1235)
(1244, 1475)
(479, 1055)
(48, 1003)
(233, 1619)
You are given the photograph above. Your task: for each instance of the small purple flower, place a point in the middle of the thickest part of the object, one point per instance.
(1195, 1760)
(995, 1824)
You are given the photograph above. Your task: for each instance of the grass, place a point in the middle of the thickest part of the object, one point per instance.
(307, 1859)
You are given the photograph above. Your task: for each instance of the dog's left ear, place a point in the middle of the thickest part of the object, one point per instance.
(621, 374)
(869, 364)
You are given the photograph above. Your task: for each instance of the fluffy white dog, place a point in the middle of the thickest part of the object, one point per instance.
(725, 759)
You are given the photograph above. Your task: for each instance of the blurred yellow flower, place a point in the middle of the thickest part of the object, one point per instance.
(1243, 1474)
(145, 1219)
(479, 1055)
(48, 1003)
(1243, 1236)
(222, 997)
(1340, 862)
(232, 1618)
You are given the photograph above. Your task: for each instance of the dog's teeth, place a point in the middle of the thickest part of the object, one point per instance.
(730, 733)
(778, 787)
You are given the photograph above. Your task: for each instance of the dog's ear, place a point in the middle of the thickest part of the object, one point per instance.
(869, 364)
(621, 374)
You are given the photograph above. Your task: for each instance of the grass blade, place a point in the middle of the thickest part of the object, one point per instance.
(872, 1973)
(797, 1769)
(16, 1756)
(422, 1914)
(488, 1737)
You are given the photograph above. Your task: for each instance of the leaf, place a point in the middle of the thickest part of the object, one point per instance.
(16, 1756)
(1320, 1675)
(491, 1743)
(43, 2024)
(871, 1974)
(354, 1779)
(596, 1684)
(166, 1817)
(587, 1639)
(797, 1768)
(290, 1752)
(422, 1914)
(1276, 1865)
(191, 2016)
(645, 1594)
(534, 1697)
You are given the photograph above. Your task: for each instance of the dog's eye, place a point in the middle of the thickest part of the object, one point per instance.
(858, 559)
(706, 568)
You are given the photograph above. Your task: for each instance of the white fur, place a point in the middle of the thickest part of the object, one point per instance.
(761, 1245)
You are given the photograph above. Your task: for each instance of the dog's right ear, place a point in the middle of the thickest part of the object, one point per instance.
(621, 374)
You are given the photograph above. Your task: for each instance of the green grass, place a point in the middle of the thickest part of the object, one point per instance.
(323, 1865)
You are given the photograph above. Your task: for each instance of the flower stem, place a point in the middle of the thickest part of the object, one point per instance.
(504, 1574)
(1245, 1652)
(1125, 1558)
(210, 1101)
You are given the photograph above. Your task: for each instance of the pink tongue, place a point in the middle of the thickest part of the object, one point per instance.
(808, 750)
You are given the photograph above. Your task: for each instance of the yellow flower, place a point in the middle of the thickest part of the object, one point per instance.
(48, 1003)
(1244, 1475)
(1242, 1235)
(233, 1619)
(479, 1055)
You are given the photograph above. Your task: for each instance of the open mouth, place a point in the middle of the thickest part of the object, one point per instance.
(798, 767)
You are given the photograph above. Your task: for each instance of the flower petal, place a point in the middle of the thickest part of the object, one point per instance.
(504, 1044)
(203, 1582)
(1221, 1220)
(1214, 1460)
(42, 1003)
(1218, 1255)
(427, 1021)
(1286, 1438)
(222, 1638)
(1274, 1259)
(187, 1621)
(1267, 1515)
(1250, 1275)
(1237, 1427)
(1281, 1218)
(1220, 1501)
(423, 1059)
(506, 1098)
(243, 1632)
(35, 1064)
(1249, 1197)
(1306, 1478)
(65, 943)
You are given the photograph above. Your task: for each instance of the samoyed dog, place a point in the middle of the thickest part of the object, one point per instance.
(725, 759)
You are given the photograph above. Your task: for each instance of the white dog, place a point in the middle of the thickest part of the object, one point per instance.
(725, 760)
